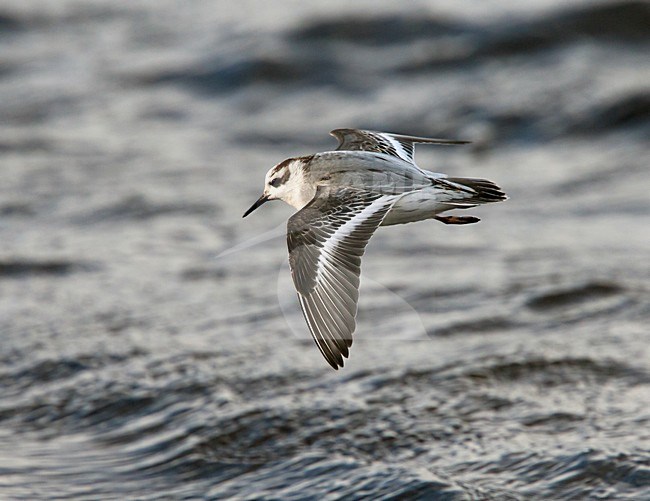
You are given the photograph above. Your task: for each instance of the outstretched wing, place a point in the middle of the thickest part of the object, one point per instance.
(396, 145)
(326, 240)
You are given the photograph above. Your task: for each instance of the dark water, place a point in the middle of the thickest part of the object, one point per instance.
(504, 360)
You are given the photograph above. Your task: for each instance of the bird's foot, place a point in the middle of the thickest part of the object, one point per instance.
(457, 219)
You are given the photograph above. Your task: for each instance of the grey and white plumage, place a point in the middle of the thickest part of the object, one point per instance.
(342, 197)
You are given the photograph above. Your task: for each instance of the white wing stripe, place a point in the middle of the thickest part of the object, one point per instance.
(330, 245)
(399, 149)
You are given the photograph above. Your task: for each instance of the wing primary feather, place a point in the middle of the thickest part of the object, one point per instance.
(326, 241)
(337, 313)
(396, 145)
(322, 346)
(335, 328)
(323, 329)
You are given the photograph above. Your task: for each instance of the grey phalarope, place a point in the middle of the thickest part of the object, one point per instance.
(342, 197)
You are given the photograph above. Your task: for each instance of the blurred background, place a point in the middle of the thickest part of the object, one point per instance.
(143, 358)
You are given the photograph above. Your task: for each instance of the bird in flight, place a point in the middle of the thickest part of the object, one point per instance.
(342, 197)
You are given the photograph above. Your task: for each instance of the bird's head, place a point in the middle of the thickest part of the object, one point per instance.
(283, 182)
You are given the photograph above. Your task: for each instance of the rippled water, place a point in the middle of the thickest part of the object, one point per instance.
(143, 358)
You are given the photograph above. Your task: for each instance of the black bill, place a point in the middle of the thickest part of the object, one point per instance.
(259, 202)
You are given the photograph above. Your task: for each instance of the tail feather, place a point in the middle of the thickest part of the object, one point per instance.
(484, 191)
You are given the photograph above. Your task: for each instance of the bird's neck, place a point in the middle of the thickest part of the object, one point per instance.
(299, 189)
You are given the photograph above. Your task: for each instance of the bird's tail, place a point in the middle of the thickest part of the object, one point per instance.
(481, 191)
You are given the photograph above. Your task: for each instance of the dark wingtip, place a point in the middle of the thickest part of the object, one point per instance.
(331, 362)
(336, 362)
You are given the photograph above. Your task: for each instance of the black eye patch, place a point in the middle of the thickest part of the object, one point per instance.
(276, 182)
